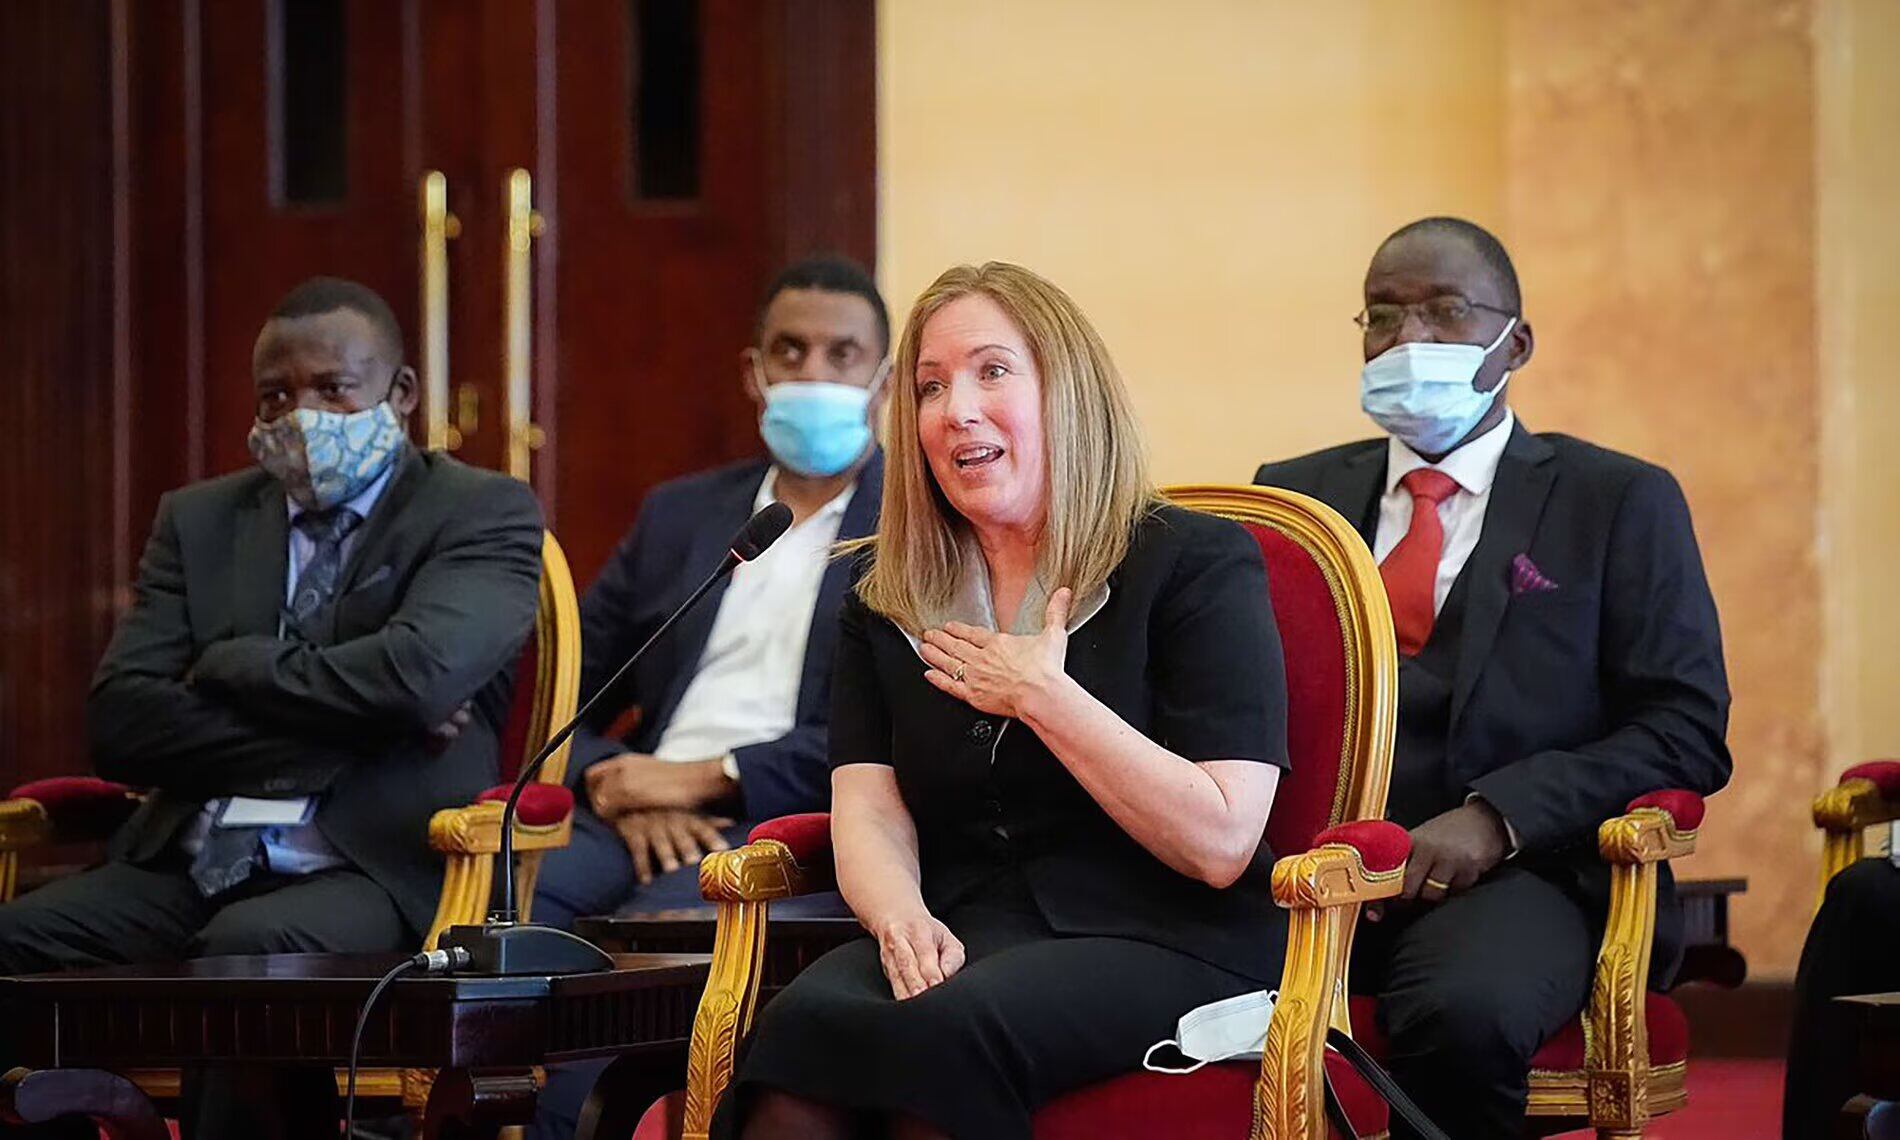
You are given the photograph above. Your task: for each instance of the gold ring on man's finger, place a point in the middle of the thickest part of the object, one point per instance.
(958, 675)
(1446, 887)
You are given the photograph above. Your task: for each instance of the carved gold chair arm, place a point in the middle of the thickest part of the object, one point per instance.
(1645, 835)
(476, 830)
(470, 839)
(1843, 813)
(1616, 1038)
(760, 871)
(1324, 889)
(23, 824)
(743, 882)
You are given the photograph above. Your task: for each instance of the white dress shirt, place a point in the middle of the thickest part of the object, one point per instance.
(1474, 467)
(746, 688)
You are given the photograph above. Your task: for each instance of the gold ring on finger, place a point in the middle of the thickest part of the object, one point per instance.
(958, 675)
(1435, 883)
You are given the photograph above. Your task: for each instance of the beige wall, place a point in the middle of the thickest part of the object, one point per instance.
(1206, 179)
(1699, 197)
(1858, 51)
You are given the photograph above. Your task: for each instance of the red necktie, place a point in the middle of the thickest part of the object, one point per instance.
(1411, 569)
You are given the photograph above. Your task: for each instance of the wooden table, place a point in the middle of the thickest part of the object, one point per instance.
(81, 1029)
(799, 930)
(1707, 955)
(1872, 1023)
(803, 928)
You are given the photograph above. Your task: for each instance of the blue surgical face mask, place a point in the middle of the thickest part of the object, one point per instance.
(326, 458)
(1421, 392)
(815, 427)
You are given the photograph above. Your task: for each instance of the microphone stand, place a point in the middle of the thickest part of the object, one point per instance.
(505, 946)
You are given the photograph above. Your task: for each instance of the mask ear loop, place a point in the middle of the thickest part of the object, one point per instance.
(1149, 1065)
(1493, 347)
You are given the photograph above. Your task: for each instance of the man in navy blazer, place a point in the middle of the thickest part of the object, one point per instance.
(1559, 656)
(732, 703)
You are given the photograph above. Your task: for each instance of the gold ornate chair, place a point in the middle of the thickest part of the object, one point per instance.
(1867, 795)
(1624, 1059)
(1342, 698)
(468, 838)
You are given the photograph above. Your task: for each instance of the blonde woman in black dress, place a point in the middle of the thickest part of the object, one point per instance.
(1058, 724)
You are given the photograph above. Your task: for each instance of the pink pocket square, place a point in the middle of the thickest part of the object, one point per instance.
(1526, 578)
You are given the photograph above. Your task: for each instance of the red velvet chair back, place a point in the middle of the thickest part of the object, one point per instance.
(547, 673)
(1336, 634)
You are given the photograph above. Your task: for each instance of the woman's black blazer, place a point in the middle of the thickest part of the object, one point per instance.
(1185, 650)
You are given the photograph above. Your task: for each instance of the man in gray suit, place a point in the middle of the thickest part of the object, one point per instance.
(318, 657)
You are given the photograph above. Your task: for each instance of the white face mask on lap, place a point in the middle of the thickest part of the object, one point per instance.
(1218, 1031)
(1421, 391)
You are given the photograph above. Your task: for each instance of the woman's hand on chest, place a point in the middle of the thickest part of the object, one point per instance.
(1000, 673)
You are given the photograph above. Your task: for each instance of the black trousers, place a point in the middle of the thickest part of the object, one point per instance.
(122, 913)
(1470, 988)
(1853, 948)
(1031, 1015)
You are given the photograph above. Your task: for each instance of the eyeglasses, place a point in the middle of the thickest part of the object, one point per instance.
(1446, 314)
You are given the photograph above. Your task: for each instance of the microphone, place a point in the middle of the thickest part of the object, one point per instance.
(505, 946)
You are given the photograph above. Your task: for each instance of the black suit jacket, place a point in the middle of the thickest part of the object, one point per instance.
(198, 697)
(1567, 703)
(1185, 650)
(679, 537)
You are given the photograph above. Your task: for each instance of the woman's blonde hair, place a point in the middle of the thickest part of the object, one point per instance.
(1098, 473)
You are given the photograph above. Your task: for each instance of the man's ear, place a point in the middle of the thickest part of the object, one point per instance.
(404, 391)
(752, 375)
(1523, 343)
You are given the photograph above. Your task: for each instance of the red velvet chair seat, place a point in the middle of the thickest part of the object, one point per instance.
(1215, 1103)
(1668, 1036)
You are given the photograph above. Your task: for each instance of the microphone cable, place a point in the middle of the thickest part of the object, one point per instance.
(429, 962)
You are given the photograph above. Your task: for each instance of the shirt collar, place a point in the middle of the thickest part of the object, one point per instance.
(1474, 466)
(769, 485)
(365, 499)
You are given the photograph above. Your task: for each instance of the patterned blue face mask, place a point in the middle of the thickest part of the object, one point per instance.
(326, 458)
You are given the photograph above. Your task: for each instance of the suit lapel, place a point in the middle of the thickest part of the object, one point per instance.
(1353, 488)
(1510, 522)
(260, 554)
(373, 538)
(723, 517)
(860, 520)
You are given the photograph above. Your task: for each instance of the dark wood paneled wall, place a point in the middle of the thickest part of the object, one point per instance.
(135, 261)
(64, 545)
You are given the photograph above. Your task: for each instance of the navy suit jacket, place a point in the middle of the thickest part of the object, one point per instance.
(679, 537)
(1567, 702)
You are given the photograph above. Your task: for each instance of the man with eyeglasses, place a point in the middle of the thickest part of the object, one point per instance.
(1559, 656)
